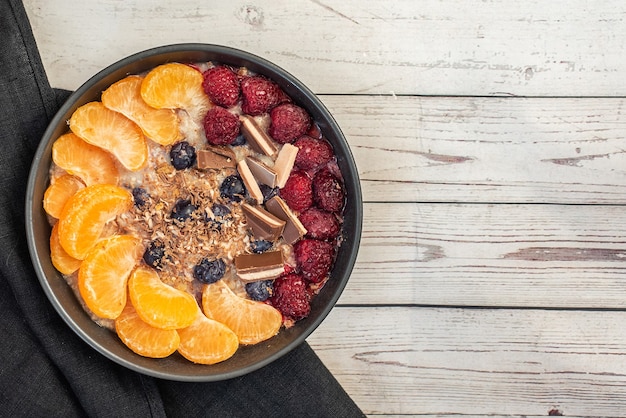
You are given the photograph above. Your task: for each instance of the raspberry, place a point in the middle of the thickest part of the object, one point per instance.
(290, 297)
(314, 258)
(259, 95)
(288, 122)
(312, 153)
(221, 85)
(297, 192)
(314, 131)
(220, 126)
(319, 224)
(327, 191)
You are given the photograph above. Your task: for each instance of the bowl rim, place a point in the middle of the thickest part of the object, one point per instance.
(154, 53)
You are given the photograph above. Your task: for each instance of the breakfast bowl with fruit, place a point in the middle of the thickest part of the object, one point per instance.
(193, 212)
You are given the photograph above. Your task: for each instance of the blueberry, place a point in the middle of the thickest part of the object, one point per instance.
(182, 155)
(153, 256)
(220, 213)
(220, 210)
(260, 246)
(260, 290)
(183, 210)
(268, 192)
(140, 196)
(209, 271)
(232, 188)
(240, 140)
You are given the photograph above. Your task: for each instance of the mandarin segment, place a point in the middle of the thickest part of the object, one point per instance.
(250, 320)
(91, 164)
(160, 125)
(207, 341)
(159, 304)
(112, 132)
(142, 338)
(103, 274)
(176, 86)
(59, 192)
(86, 213)
(61, 260)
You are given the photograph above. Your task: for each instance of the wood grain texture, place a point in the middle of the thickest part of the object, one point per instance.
(490, 280)
(477, 149)
(567, 256)
(505, 47)
(461, 362)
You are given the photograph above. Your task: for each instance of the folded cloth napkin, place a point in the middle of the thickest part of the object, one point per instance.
(45, 369)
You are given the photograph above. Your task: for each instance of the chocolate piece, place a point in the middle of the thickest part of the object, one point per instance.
(256, 137)
(284, 163)
(264, 266)
(264, 225)
(223, 151)
(209, 159)
(261, 172)
(294, 230)
(250, 182)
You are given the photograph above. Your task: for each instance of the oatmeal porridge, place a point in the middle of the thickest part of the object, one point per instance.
(191, 201)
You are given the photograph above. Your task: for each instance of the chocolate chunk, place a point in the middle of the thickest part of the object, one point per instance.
(284, 163)
(258, 139)
(210, 159)
(250, 181)
(294, 230)
(263, 224)
(261, 172)
(264, 266)
(223, 151)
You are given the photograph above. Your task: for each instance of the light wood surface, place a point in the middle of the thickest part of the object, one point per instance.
(490, 138)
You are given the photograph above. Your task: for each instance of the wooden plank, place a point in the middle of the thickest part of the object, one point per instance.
(463, 362)
(491, 255)
(564, 48)
(474, 149)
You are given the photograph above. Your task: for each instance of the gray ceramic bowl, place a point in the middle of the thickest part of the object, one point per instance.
(175, 367)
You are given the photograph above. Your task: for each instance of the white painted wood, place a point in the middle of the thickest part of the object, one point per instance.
(505, 47)
(475, 149)
(503, 201)
(491, 255)
(450, 362)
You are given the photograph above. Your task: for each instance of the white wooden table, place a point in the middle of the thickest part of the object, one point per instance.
(491, 141)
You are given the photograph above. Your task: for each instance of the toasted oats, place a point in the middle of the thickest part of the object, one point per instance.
(202, 235)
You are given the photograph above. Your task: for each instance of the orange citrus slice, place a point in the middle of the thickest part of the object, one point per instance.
(91, 164)
(112, 132)
(86, 213)
(207, 341)
(142, 338)
(103, 275)
(251, 320)
(176, 86)
(61, 260)
(160, 125)
(59, 192)
(158, 304)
